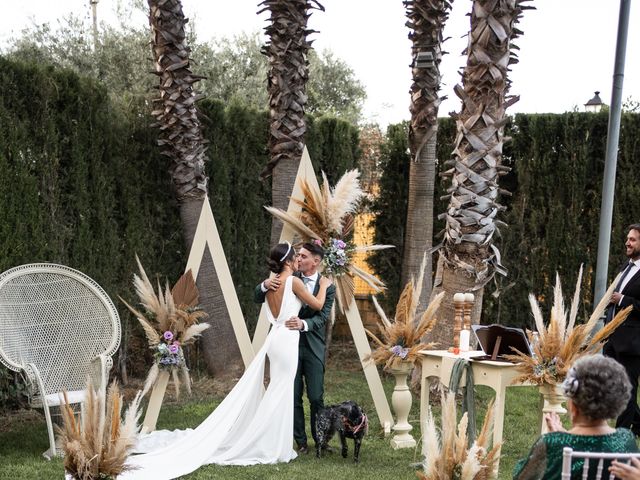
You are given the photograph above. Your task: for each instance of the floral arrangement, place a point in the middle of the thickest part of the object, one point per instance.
(326, 218)
(403, 337)
(97, 446)
(170, 322)
(450, 457)
(168, 353)
(337, 256)
(562, 342)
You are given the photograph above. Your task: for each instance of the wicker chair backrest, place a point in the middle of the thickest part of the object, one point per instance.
(57, 319)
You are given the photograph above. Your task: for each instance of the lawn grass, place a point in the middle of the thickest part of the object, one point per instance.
(23, 437)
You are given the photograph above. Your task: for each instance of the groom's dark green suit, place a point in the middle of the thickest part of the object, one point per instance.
(311, 353)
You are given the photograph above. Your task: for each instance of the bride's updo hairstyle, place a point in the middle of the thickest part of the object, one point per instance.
(598, 386)
(279, 255)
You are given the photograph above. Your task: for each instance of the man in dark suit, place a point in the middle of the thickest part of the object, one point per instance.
(311, 350)
(624, 343)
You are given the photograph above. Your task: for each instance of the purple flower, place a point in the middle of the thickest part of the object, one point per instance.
(341, 244)
(340, 261)
(168, 336)
(174, 349)
(399, 351)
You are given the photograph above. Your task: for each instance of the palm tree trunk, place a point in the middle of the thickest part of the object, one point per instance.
(182, 141)
(419, 227)
(286, 82)
(468, 258)
(426, 19)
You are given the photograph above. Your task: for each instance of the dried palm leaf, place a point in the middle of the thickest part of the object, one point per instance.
(185, 292)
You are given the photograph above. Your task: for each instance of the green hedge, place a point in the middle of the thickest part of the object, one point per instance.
(83, 184)
(552, 217)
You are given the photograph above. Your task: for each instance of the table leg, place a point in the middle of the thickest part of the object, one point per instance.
(425, 388)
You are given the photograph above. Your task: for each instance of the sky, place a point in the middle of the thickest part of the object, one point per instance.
(566, 53)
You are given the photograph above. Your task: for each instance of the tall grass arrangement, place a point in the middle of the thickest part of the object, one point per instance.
(97, 445)
(402, 337)
(447, 453)
(561, 342)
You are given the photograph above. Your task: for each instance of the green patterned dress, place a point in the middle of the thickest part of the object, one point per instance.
(545, 459)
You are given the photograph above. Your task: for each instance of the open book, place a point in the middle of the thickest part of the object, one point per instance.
(498, 340)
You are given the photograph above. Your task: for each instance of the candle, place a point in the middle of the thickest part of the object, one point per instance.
(464, 340)
(458, 305)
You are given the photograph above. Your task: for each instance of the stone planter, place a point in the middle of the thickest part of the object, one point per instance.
(552, 396)
(401, 403)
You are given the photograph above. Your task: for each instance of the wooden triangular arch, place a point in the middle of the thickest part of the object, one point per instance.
(207, 236)
(305, 172)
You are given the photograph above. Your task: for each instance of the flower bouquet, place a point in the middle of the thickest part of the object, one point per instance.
(170, 322)
(562, 342)
(327, 219)
(451, 458)
(402, 337)
(97, 446)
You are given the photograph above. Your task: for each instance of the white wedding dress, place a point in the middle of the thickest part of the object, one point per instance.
(250, 426)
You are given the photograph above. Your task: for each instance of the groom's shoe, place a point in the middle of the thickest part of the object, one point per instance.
(303, 449)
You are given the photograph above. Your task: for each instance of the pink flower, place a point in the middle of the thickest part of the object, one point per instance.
(318, 242)
(174, 349)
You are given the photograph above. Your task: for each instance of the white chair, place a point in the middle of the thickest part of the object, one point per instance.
(58, 327)
(592, 460)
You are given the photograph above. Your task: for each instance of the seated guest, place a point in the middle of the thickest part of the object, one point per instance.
(597, 389)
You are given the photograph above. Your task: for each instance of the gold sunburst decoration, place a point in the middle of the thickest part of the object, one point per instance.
(327, 220)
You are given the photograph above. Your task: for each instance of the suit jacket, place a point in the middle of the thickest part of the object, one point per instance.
(626, 338)
(316, 320)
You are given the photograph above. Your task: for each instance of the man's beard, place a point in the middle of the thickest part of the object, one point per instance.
(635, 254)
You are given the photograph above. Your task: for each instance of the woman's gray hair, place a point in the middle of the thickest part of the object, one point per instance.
(598, 386)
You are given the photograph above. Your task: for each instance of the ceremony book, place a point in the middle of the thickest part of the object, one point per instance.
(498, 340)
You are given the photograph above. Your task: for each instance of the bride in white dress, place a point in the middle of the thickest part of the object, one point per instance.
(251, 425)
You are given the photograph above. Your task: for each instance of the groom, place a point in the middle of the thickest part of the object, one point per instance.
(311, 350)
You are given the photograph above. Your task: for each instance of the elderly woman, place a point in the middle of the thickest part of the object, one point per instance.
(597, 389)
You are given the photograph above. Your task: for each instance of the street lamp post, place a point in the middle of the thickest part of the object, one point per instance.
(611, 158)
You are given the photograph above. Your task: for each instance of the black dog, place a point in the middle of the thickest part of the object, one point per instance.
(348, 419)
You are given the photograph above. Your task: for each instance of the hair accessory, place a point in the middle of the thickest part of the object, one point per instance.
(570, 384)
(286, 254)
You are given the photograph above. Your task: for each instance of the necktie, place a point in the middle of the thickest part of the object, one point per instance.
(623, 276)
(612, 308)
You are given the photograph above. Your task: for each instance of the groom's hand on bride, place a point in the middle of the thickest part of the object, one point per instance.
(272, 283)
(294, 323)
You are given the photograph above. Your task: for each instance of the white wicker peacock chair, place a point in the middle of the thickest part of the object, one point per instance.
(58, 327)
